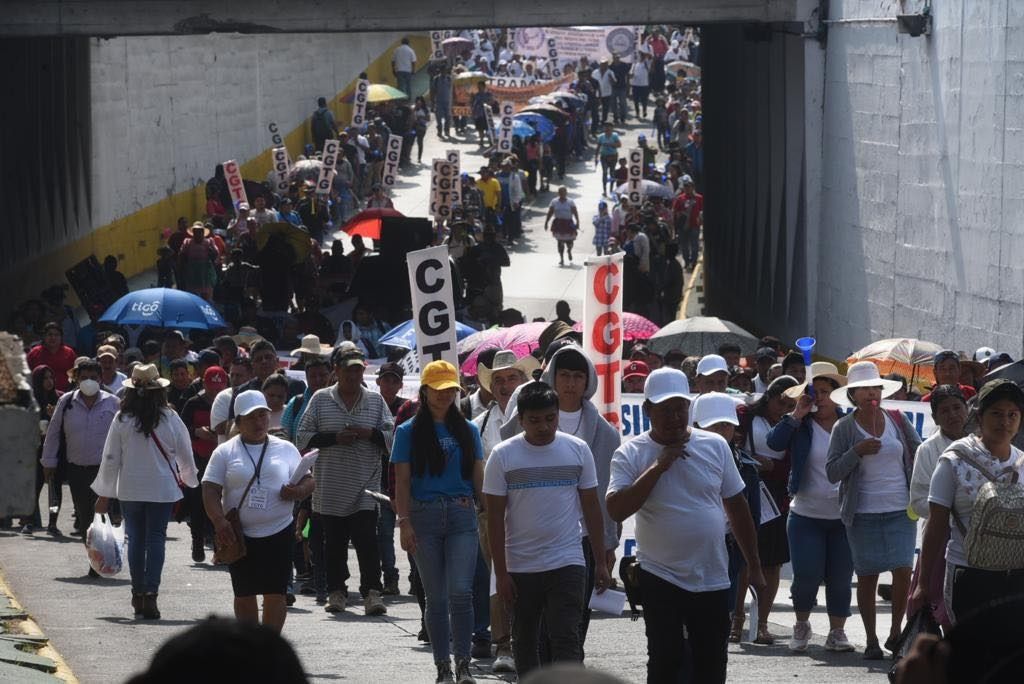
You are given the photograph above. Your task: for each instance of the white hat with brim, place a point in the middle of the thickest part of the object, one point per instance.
(714, 407)
(819, 369)
(664, 384)
(864, 374)
(504, 360)
(311, 345)
(146, 376)
(246, 335)
(248, 401)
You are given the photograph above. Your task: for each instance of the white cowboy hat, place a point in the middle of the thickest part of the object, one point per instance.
(504, 360)
(247, 335)
(311, 345)
(145, 376)
(819, 369)
(864, 374)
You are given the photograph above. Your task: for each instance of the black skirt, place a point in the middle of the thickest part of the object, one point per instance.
(266, 567)
(772, 540)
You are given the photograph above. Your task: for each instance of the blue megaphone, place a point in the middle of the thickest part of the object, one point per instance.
(806, 347)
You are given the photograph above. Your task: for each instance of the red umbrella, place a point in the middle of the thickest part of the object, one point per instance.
(368, 222)
(634, 327)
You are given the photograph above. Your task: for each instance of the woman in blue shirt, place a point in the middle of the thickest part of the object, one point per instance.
(438, 462)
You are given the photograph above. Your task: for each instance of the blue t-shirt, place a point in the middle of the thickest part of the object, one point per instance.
(450, 482)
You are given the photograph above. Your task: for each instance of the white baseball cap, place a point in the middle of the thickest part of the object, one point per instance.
(666, 383)
(248, 401)
(714, 407)
(984, 354)
(712, 363)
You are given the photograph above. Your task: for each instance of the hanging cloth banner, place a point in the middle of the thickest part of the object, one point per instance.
(233, 176)
(433, 304)
(602, 332)
(329, 158)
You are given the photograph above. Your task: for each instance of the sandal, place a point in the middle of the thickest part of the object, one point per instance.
(736, 632)
(764, 637)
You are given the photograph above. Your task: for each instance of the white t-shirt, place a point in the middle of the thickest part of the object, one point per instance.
(607, 81)
(680, 529)
(490, 433)
(233, 464)
(759, 430)
(817, 497)
(955, 485)
(542, 514)
(403, 58)
(883, 483)
(570, 422)
(220, 410)
(760, 386)
(562, 210)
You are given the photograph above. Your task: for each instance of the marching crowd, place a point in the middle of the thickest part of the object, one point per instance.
(749, 463)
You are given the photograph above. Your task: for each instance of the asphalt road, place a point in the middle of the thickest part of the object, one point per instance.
(90, 621)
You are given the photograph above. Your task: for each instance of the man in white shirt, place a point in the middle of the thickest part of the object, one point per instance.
(537, 485)
(403, 65)
(110, 378)
(607, 81)
(677, 480)
(501, 379)
(220, 411)
(765, 358)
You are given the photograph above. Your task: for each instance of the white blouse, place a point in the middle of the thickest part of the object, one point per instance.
(133, 469)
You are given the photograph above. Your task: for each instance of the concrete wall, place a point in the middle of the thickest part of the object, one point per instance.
(922, 182)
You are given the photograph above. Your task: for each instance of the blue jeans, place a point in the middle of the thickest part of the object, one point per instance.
(820, 553)
(447, 553)
(404, 79)
(145, 525)
(386, 543)
(481, 600)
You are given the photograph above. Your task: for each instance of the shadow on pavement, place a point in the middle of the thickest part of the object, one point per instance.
(133, 621)
(96, 581)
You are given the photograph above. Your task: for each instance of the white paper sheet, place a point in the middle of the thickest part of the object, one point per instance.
(611, 601)
(305, 465)
(752, 615)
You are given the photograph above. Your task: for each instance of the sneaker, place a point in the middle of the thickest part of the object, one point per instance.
(336, 601)
(444, 673)
(504, 663)
(391, 588)
(289, 599)
(801, 635)
(462, 675)
(837, 641)
(198, 552)
(373, 604)
(481, 650)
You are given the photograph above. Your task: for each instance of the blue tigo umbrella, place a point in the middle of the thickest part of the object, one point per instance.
(163, 307)
(404, 335)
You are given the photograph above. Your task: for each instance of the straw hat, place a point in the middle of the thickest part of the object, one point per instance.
(864, 374)
(247, 335)
(311, 345)
(504, 360)
(145, 376)
(819, 369)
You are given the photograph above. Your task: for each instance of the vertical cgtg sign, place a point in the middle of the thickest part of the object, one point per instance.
(329, 158)
(392, 160)
(433, 304)
(443, 178)
(635, 185)
(436, 49)
(602, 332)
(506, 109)
(454, 158)
(275, 136)
(556, 71)
(282, 164)
(359, 100)
(233, 176)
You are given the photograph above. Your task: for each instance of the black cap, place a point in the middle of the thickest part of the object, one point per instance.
(1000, 388)
(391, 368)
(945, 355)
(209, 357)
(766, 353)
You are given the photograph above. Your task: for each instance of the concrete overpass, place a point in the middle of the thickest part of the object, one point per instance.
(182, 17)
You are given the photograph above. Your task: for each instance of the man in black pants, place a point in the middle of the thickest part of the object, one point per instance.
(680, 534)
(79, 427)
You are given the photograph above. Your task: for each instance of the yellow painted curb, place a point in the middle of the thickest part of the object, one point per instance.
(690, 289)
(29, 627)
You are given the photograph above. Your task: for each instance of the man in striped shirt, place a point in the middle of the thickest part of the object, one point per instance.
(353, 428)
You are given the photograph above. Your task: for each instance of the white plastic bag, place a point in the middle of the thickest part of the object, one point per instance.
(105, 545)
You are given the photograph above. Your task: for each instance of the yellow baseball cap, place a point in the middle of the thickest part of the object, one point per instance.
(440, 375)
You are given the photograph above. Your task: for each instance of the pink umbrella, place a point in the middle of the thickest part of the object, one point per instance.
(634, 327)
(521, 339)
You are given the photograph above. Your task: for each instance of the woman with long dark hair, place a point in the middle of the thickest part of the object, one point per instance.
(438, 461)
(147, 459)
(44, 389)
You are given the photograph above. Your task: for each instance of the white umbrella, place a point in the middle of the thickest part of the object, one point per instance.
(701, 335)
(650, 189)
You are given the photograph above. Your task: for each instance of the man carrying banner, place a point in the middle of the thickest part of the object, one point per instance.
(673, 478)
(573, 377)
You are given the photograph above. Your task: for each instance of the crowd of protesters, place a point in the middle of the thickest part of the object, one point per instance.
(515, 473)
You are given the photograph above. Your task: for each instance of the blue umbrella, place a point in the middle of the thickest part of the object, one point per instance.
(404, 335)
(163, 307)
(541, 124)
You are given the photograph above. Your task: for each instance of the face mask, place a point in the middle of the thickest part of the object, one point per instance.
(89, 387)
